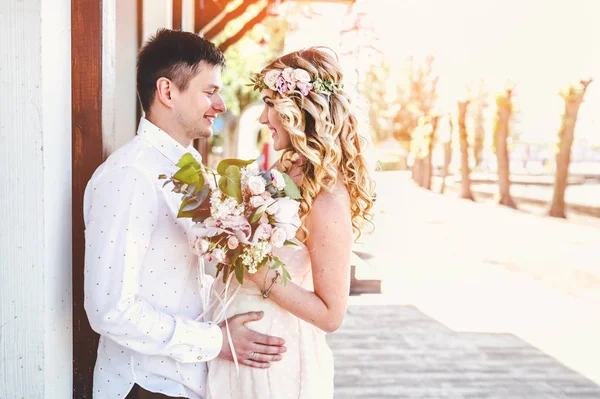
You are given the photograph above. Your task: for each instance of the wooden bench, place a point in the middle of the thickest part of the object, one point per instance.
(360, 286)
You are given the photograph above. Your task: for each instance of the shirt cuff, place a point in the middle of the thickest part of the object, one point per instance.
(200, 341)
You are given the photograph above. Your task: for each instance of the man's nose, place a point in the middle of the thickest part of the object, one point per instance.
(219, 105)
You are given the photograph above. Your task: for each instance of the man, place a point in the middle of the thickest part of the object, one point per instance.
(142, 286)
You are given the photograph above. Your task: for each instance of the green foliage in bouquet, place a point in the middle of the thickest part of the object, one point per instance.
(192, 181)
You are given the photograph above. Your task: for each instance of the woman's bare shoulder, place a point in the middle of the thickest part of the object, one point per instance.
(332, 203)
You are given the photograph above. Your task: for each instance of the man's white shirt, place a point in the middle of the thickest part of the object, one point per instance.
(142, 287)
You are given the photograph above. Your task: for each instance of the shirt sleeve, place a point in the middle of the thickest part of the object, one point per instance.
(121, 214)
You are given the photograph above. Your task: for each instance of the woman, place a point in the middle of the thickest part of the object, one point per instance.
(311, 122)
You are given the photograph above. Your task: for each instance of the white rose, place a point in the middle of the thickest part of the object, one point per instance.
(277, 179)
(271, 78)
(287, 216)
(278, 237)
(272, 208)
(256, 184)
(301, 75)
(219, 255)
(257, 201)
(252, 169)
(288, 74)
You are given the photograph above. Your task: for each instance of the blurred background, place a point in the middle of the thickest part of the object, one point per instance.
(482, 276)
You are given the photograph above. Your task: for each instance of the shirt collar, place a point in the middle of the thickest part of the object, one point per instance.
(164, 143)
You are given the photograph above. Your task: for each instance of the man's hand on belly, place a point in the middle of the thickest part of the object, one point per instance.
(252, 349)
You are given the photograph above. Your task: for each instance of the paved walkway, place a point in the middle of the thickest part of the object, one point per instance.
(479, 301)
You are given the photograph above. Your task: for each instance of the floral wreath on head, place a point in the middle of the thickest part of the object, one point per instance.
(284, 81)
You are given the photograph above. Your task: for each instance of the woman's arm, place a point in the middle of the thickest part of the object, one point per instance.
(330, 243)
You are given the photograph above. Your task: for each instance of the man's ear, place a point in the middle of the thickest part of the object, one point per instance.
(164, 88)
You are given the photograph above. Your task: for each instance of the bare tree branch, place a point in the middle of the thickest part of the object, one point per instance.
(249, 25)
(238, 12)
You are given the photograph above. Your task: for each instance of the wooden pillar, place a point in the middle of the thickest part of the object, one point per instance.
(177, 14)
(87, 153)
(202, 16)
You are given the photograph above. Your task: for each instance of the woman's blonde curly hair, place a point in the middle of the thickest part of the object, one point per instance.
(323, 129)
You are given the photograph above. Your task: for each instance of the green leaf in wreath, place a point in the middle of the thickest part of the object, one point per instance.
(289, 243)
(291, 190)
(226, 163)
(230, 183)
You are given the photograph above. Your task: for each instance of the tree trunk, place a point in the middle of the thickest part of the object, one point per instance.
(447, 156)
(465, 171)
(417, 170)
(504, 105)
(573, 99)
(428, 172)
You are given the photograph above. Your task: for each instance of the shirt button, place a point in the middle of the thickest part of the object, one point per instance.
(199, 357)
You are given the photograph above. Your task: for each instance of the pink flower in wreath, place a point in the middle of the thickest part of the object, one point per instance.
(281, 85)
(305, 88)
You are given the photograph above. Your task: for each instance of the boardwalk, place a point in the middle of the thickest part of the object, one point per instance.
(399, 352)
(478, 302)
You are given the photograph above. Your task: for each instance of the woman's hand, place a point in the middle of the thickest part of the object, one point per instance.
(259, 277)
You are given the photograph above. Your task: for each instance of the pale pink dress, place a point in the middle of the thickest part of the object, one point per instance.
(306, 370)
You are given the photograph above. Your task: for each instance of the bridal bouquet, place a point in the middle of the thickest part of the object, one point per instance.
(240, 212)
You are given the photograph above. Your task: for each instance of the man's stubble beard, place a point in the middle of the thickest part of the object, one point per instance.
(194, 129)
(199, 133)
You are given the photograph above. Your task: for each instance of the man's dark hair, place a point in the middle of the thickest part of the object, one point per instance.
(175, 55)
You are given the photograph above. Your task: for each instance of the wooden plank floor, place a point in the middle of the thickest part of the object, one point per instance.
(394, 351)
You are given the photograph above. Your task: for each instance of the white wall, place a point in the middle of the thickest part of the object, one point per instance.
(187, 8)
(157, 14)
(119, 51)
(35, 199)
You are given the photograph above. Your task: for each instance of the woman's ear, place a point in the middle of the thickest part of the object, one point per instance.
(164, 89)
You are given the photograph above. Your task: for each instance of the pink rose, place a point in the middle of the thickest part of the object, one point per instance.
(281, 85)
(233, 242)
(278, 237)
(200, 246)
(263, 232)
(305, 88)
